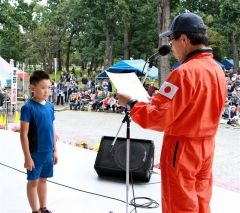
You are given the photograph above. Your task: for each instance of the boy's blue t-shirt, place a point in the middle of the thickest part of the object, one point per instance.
(40, 118)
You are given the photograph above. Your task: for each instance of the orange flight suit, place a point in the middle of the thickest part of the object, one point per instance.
(188, 109)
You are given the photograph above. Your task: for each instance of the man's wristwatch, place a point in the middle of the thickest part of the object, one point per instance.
(131, 103)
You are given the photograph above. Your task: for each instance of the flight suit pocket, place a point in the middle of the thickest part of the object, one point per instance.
(175, 153)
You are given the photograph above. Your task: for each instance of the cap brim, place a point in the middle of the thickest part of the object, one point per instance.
(165, 34)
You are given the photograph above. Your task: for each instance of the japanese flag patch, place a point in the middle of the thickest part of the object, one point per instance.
(167, 89)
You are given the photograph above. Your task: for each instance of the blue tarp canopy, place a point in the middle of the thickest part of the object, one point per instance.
(221, 65)
(126, 66)
(228, 63)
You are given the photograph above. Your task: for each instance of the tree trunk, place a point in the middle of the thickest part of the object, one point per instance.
(43, 54)
(108, 50)
(126, 42)
(50, 63)
(93, 62)
(235, 52)
(69, 44)
(83, 65)
(163, 10)
(45, 66)
(59, 59)
(59, 52)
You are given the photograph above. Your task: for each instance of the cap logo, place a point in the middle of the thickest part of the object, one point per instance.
(168, 90)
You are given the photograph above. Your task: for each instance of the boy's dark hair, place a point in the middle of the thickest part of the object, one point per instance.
(195, 38)
(38, 76)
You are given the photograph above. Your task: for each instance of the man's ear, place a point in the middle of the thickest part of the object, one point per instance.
(31, 87)
(185, 39)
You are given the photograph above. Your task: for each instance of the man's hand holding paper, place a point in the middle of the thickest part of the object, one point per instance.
(128, 87)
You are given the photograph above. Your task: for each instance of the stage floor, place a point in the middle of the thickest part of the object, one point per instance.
(76, 186)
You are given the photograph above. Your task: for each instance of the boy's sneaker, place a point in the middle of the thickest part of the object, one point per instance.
(45, 210)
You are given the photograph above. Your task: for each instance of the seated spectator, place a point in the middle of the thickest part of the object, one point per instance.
(238, 92)
(74, 101)
(105, 102)
(234, 99)
(236, 83)
(119, 108)
(226, 110)
(233, 116)
(151, 88)
(93, 97)
(111, 103)
(97, 104)
(84, 99)
(229, 91)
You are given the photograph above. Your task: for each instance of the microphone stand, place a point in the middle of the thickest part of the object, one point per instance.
(150, 61)
(128, 120)
(145, 77)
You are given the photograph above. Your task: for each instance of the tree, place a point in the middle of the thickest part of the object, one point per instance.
(163, 8)
(230, 10)
(225, 21)
(14, 20)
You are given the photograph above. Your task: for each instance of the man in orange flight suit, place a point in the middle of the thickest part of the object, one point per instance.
(187, 108)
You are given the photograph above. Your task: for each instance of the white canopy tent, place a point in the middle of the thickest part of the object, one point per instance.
(6, 73)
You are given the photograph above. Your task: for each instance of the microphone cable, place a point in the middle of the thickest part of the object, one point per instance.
(148, 202)
(148, 205)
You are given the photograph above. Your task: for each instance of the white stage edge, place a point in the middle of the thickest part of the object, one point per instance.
(75, 169)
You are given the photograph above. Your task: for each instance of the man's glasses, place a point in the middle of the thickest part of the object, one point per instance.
(171, 38)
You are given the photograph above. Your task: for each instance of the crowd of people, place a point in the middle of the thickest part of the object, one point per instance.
(92, 96)
(99, 96)
(232, 106)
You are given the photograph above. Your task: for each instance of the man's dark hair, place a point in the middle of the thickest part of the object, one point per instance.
(195, 38)
(38, 76)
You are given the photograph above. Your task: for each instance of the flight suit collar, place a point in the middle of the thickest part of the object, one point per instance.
(195, 52)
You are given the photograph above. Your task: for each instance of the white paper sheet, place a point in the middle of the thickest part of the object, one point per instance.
(129, 84)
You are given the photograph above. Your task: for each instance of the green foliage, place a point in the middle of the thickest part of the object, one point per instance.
(37, 33)
(14, 20)
(222, 19)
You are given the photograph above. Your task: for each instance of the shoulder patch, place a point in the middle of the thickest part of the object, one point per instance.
(168, 89)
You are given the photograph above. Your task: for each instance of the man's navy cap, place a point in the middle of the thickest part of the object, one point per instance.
(186, 22)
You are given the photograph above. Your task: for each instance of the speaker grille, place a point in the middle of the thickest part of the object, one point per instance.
(137, 156)
(111, 161)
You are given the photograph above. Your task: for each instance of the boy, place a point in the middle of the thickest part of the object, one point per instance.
(38, 141)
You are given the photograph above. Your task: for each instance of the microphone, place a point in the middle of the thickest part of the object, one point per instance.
(162, 51)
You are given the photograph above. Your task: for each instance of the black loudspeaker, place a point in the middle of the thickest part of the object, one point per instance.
(112, 162)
